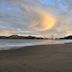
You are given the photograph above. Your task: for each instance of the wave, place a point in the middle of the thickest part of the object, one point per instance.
(19, 45)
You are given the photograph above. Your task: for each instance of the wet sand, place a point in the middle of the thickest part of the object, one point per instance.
(44, 58)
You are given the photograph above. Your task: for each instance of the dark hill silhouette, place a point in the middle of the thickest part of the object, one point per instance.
(68, 37)
(20, 37)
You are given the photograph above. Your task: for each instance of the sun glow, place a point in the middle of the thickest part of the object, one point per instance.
(47, 21)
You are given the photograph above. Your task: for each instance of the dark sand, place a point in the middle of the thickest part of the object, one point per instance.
(45, 58)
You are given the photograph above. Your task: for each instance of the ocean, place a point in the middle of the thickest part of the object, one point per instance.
(11, 43)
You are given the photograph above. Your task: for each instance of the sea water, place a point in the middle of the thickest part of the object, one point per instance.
(11, 43)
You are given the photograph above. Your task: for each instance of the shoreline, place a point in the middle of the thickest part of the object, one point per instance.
(6, 45)
(30, 44)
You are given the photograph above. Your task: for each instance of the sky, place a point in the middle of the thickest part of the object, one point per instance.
(36, 17)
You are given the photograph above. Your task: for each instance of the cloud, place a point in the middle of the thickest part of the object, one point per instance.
(7, 32)
(46, 20)
(33, 16)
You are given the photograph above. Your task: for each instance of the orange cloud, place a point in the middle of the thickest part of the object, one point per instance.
(47, 21)
(6, 32)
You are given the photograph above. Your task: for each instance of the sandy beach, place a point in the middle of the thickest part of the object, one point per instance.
(44, 58)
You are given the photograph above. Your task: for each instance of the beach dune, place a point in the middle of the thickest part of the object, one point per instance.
(41, 58)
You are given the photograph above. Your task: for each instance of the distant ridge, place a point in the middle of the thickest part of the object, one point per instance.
(67, 37)
(30, 37)
(20, 37)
